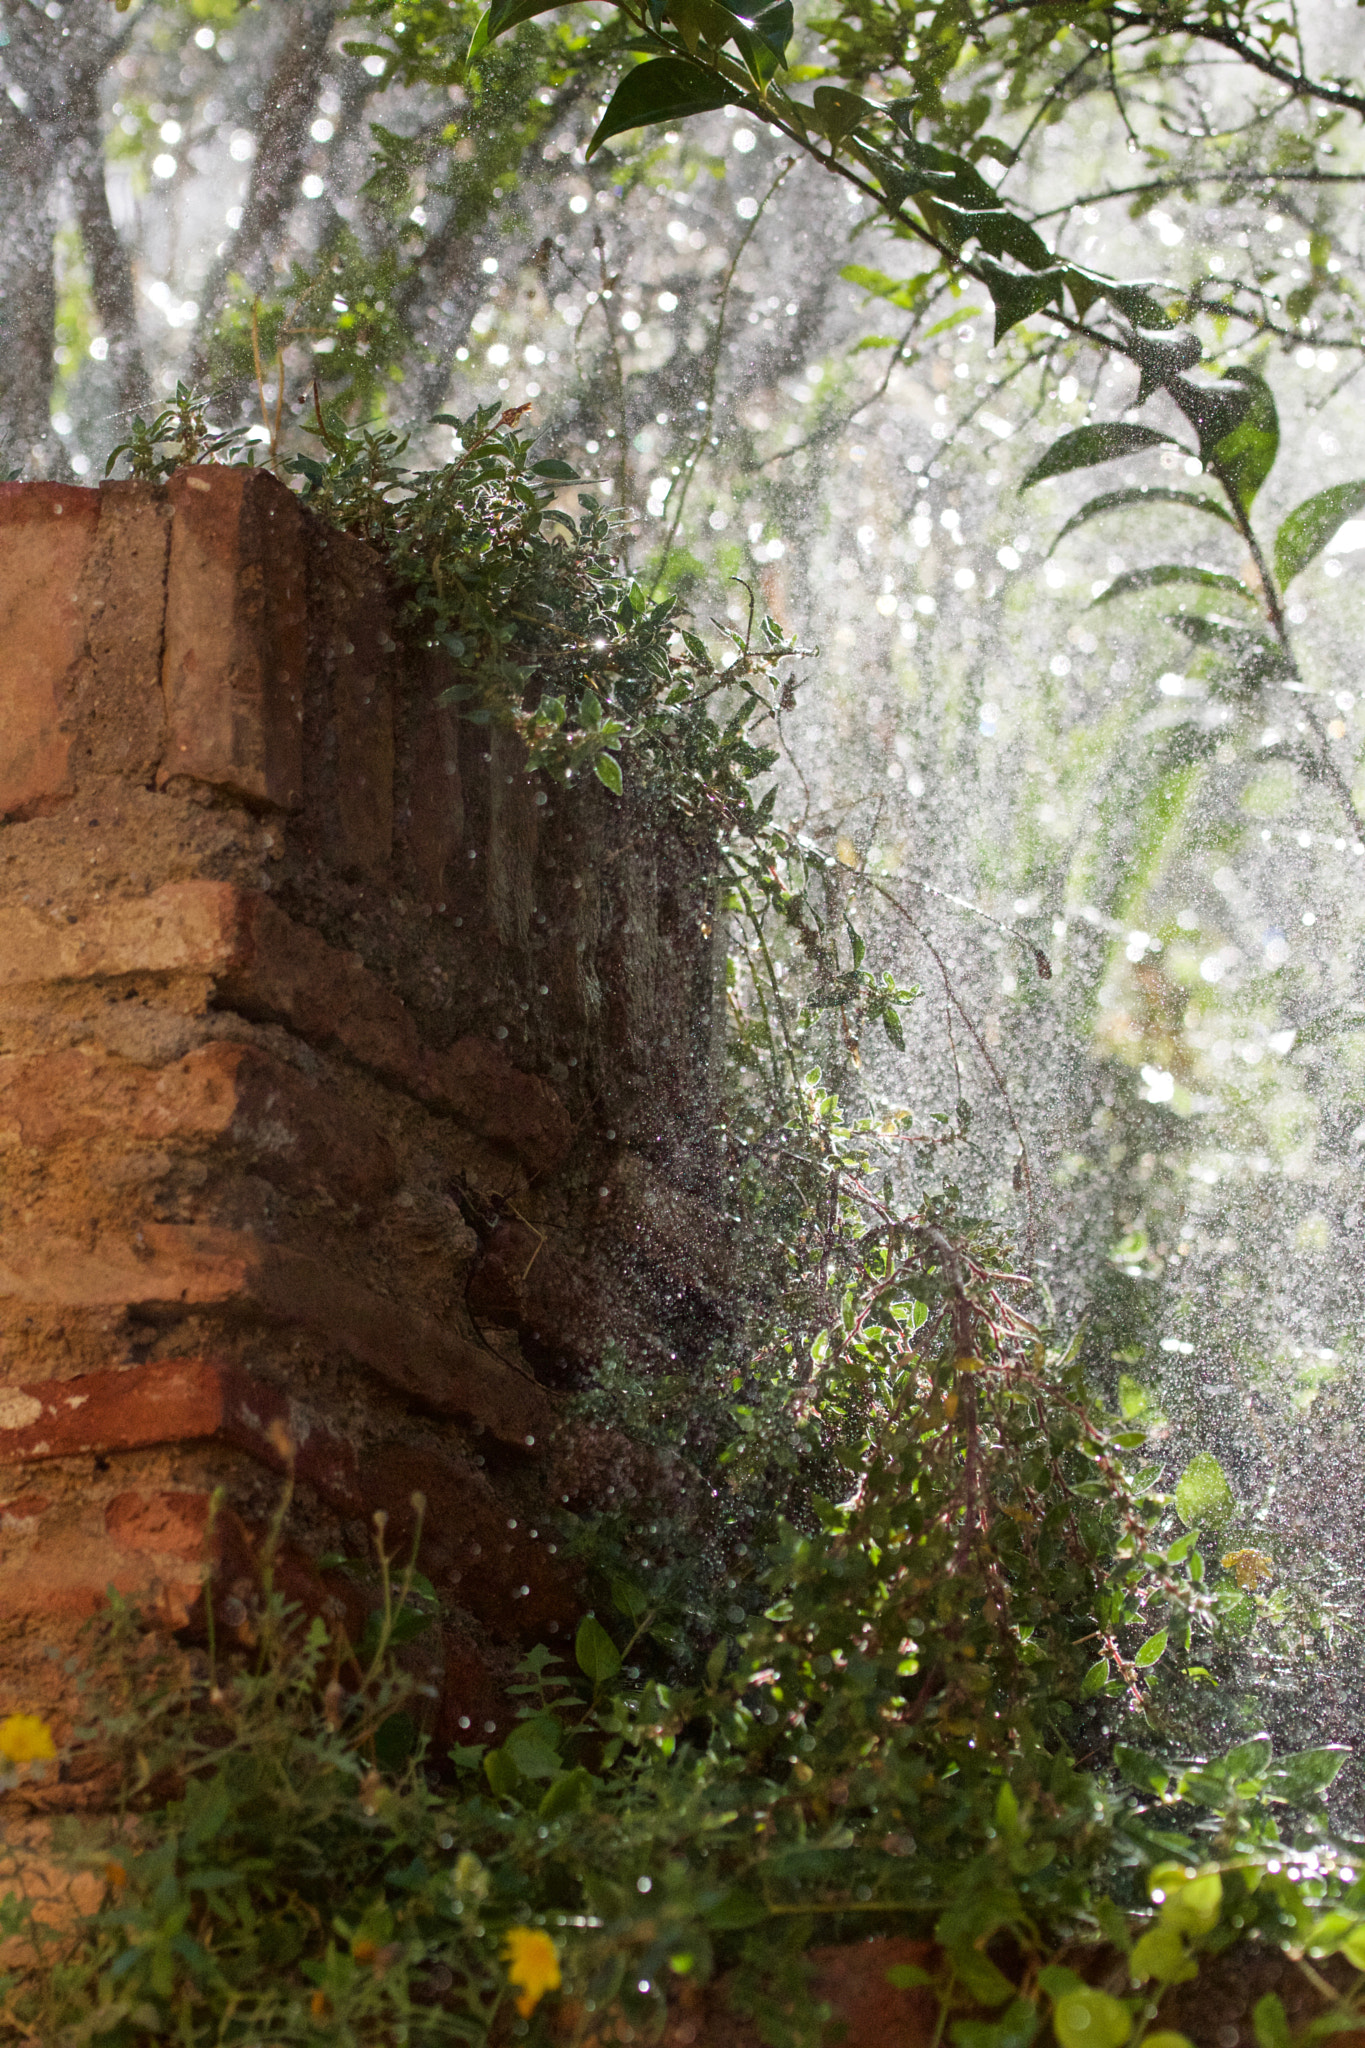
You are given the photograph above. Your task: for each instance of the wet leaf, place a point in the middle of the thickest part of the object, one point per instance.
(1309, 1771)
(1084, 447)
(1089, 2018)
(663, 89)
(1142, 494)
(501, 16)
(598, 1657)
(1016, 295)
(1172, 572)
(1153, 1650)
(1203, 1498)
(1309, 527)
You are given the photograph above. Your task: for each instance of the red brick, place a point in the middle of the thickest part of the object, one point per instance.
(236, 634)
(294, 1132)
(47, 532)
(166, 1524)
(120, 711)
(468, 1546)
(170, 1266)
(175, 1400)
(350, 611)
(183, 926)
(266, 965)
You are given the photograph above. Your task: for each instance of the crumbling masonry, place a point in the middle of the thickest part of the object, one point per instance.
(356, 1089)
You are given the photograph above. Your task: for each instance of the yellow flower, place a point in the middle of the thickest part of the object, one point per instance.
(533, 1966)
(1250, 1568)
(24, 1739)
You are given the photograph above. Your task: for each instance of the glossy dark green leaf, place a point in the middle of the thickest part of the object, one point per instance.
(1245, 455)
(838, 112)
(1309, 527)
(555, 471)
(1172, 572)
(1084, 447)
(663, 89)
(501, 16)
(1143, 494)
(1016, 295)
(1000, 232)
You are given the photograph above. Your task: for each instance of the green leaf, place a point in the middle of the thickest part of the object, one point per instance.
(598, 1657)
(663, 89)
(1309, 527)
(1016, 294)
(1203, 1498)
(501, 1772)
(555, 471)
(907, 1976)
(501, 16)
(1171, 572)
(568, 1793)
(1194, 1908)
(1245, 456)
(1161, 1953)
(1015, 2028)
(736, 1909)
(838, 112)
(1303, 1775)
(1269, 2023)
(1248, 1759)
(1142, 494)
(1256, 657)
(1153, 1650)
(1148, 1773)
(1086, 446)
(607, 769)
(1091, 2019)
(1094, 1678)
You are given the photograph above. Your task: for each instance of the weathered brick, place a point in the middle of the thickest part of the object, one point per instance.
(47, 532)
(493, 1565)
(236, 634)
(267, 965)
(120, 709)
(434, 821)
(67, 1569)
(165, 1266)
(475, 1081)
(175, 1400)
(350, 613)
(166, 1524)
(296, 1133)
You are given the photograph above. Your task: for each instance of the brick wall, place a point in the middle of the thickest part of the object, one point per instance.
(355, 1087)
